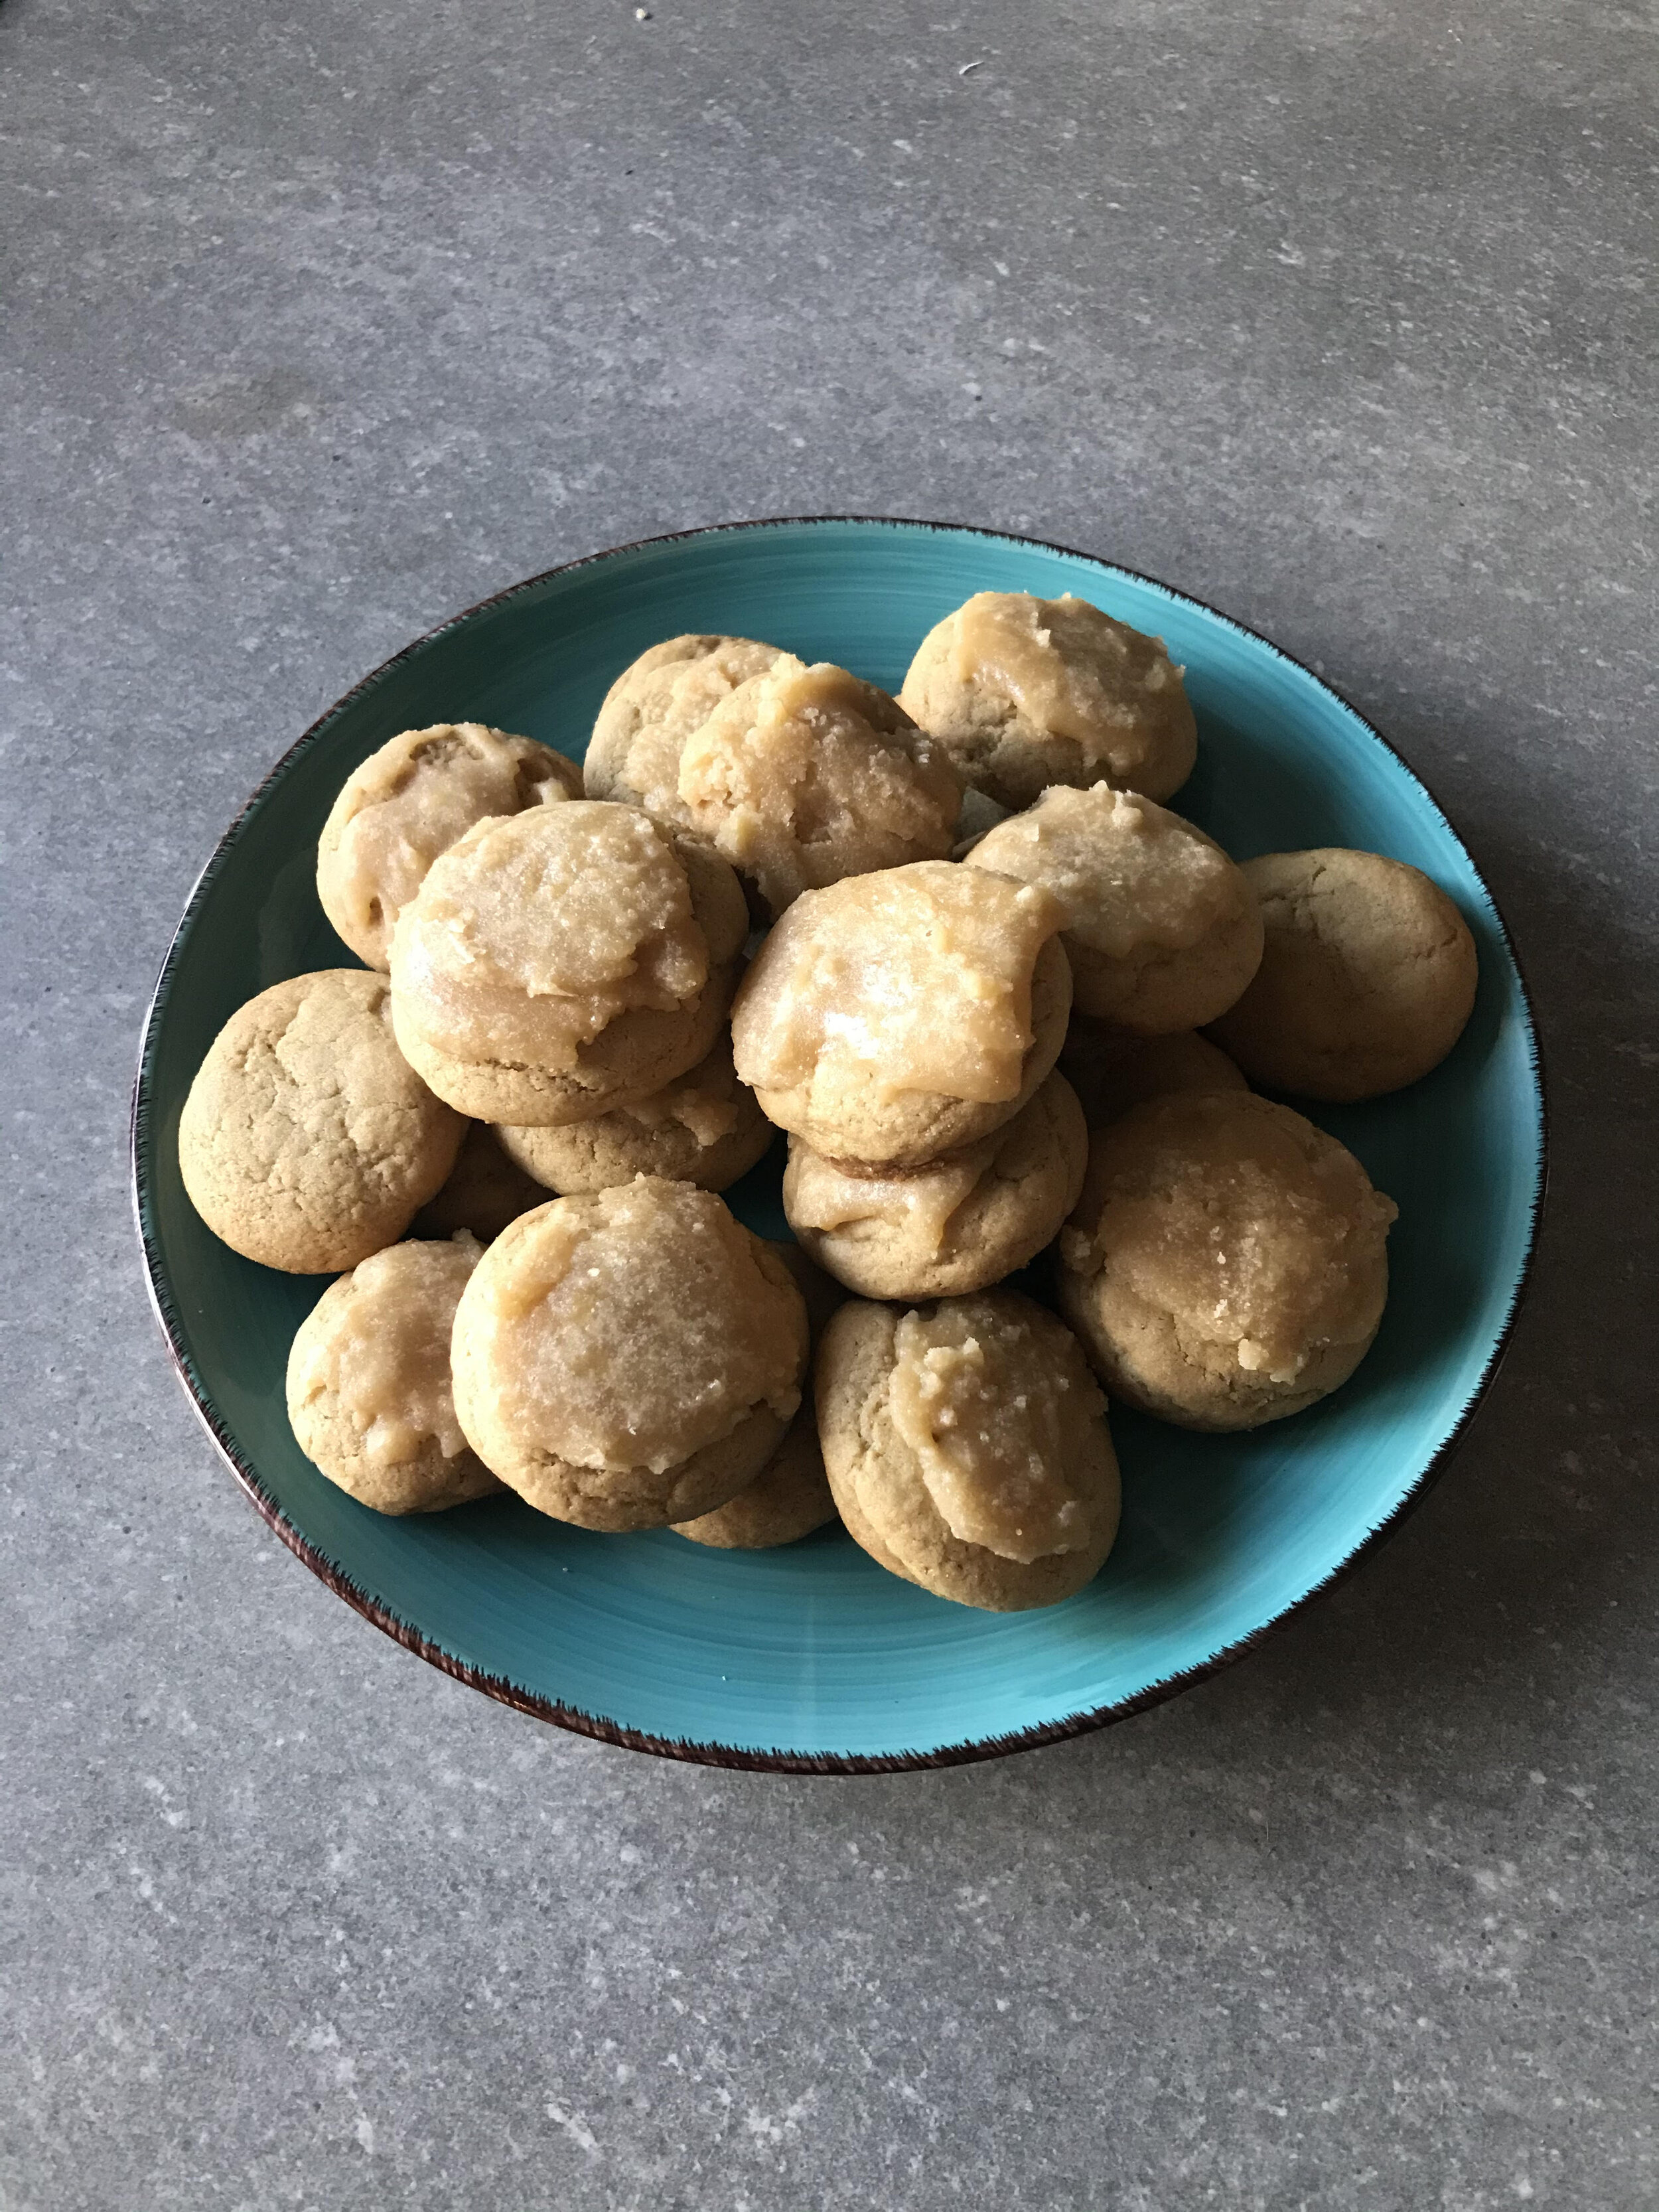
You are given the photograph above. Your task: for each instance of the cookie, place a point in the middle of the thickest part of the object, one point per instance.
(862, 1531)
(958, 1225)
(704, 1127)
(308, 1141)
(898, 1016)
(1227, 1263)
(629, 1357)
(369, 1389)
(1024, 693)
(967, 1447)
(806, 775)
(1368, 976)
(410, 801)
(653, 707)
(1162, 931)
(790, 1496)
(485, 1190)
(563, 961)
(787, 1500)
(1112, 1071)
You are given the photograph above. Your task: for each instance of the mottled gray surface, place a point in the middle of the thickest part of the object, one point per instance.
(322, 321)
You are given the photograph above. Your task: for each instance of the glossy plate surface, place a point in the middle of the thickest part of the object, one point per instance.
(812, 1657)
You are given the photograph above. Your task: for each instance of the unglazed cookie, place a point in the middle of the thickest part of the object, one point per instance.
(967, 1447)
(410, 801)
(790, 1496)
(1111, 1071)
(788, 1499)
(1025, 693)
(629, 1357)
(1227, 1262)
(958, 1225)
(804, 775)
(653, 707)
(484, 1191)
(563, 961)
(1162, 931)
(308, 1141)
(897, 1016)
(1368, 977)
(704, 1127)
(369, 1389)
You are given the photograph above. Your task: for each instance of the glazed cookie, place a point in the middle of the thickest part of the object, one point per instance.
(1367, 980)
(895, 1017)
(308, 1141)
(967, 1447)
(1111, 1071)
(1227, 1262)
(564, 961)
(1025, 693)
(804, 775)
(1162, 931)
(629, 1357)
(653, 707)
(704, 1127)
(958, 1225)
(368, 1390)
(410, 801)
(484, 1192)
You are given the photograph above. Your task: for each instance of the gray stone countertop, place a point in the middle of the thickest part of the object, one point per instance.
(320, 322)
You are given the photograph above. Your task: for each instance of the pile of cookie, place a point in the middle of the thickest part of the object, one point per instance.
(955, 946)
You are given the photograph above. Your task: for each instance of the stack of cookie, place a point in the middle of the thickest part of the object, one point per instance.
(554, 1015)
(776, 898)
(1226, 1263)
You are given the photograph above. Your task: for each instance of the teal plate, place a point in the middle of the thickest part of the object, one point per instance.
(812, 1658)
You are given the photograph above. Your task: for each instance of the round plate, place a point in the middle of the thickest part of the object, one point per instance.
(812, 1657)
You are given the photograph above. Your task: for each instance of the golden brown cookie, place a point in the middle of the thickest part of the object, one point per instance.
(895, 1017)
(1024, 693)
(410, 801)
(704, 1127)
(958, 1225)
(653, 707)
(788, 1499)
(862, 1531)
(1368, 977)
(564, 961)
(308, 1141)
(1162, 931)
(1111, 1070)
(967, 1447)
(369, 1389)
(485, 1190)
(629, 1357)
(790, 1496)
(806, 775)
(1227, 1263)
